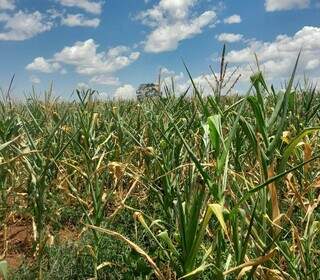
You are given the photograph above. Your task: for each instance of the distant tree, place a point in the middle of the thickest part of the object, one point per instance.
(148, 90)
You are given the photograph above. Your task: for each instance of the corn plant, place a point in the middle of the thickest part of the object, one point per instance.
(9, 136)
(42, 167)
(220, 185)
(90, 165)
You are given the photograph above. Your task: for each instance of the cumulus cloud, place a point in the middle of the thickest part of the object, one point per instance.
(206, 83)
(23, 25)
(105, 80)
(232, 19)
(7, 4)
(166, 72)
(19, 25)
(172, 21)
(313, 64)
(82, 86)
(42, 65)
(168, 76)
(73, 20)
(229, 37)
(86, 59)
(126, 91)
(93, 7)
(35, 80)
(167, 37)
(276, 60)
(278, 57)
(276, 5)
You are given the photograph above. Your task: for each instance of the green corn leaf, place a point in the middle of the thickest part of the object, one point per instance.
(196, 271)
(204, 106)
(276, 111)
(4, 269)
(215, 129)
(277, 137)
(253, 101)
(221, 163)
(165, 237)
(293, 144)
(256, 80)
(217, 210)
(2, 146)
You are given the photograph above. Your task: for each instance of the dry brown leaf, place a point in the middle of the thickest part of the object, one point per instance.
(274, 199)
(117, 169)
(133, 246)
(307, 151)
(291, 186)
(255, 262)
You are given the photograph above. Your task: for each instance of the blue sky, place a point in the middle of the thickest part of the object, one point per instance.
(114, 45)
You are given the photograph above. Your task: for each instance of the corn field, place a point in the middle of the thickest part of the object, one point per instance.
(173, 187)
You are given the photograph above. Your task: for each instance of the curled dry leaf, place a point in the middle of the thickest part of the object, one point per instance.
(133, 246)
(274, 199)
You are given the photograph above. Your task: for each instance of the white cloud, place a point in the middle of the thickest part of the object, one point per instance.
(171, 22)
(35, 80)
(167, 37)
(93, 7)
(116, 51)
(277, 58)
(126, 91)
(105, 80)
(232, 19)
(86, 59)
(165, 72)
(201, 83)
(229, 37)
(73, 20)
(167, 76)
(42, 65)
(177, 8)
(4, 17)
(277, 5)
(7, 5)
(313, 64)
(205, 82)
(23, 25)
(82, 86)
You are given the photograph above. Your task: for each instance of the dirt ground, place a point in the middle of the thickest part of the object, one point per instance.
(19, 242)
